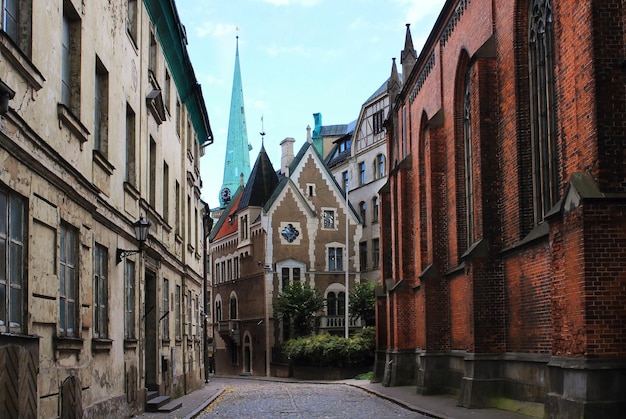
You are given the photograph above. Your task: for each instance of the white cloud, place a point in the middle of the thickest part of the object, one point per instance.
(215, 29)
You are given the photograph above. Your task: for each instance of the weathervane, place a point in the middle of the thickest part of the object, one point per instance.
(262, 133)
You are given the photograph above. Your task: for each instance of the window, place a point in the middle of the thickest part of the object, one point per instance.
(218, 278)
(152, 58)
(375, 209)
(177, 312)
(362, 173)
(13, 253)
(197, 228)
(153, 172)
(363, 211)
(336, 303)
(188, 220)
(468, 159)
(166, 192)
(233, 307)
(16, 22)
(328, 216)
(131, 19)
(290, 274)
(218, 310)
(68, 277)
(236, 267)
(311, 189)
(131, 175)
(100, 291)
(166, 91)
(178, 118)
(197, 314)
(101, 109)
(375, 253)
(345, 178)
(70, 59)
(542, 107)
(177, 207)
(335, 258)
(379, 166)
(189, 139)
(377, 121)
(129, 302)
(165, 318)
(244, 226)
(189, 322)
(363, 255)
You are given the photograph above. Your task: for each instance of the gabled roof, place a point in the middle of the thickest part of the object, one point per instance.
(261, 184)
(294, 164)
(227, 223)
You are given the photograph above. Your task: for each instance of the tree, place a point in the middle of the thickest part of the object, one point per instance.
(298, 303)
(363, 303)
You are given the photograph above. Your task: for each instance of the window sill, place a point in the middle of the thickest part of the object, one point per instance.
(21, 62)
(130, 189)
(67, 118)
(130, 343)
(179, 341)
(103, 163)
(165, 342)
(63, 344)
(101, 345)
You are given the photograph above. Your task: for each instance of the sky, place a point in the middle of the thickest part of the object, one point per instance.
(297, 58)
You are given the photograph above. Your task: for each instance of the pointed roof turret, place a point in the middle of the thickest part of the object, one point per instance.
(393, 84)
(237, 160)
(409, 55)
(263, 180)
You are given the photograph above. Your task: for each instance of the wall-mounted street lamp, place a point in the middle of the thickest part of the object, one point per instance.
(141, 234)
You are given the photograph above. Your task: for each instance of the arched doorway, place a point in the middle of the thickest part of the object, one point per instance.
(247, 355)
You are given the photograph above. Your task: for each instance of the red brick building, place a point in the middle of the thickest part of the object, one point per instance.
(504, 217)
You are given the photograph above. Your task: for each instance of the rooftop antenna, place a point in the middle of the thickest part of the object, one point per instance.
(262, 133)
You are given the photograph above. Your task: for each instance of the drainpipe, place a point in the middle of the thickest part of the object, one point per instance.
(207, 226)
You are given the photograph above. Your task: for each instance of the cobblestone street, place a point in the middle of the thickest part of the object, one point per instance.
(256, 399)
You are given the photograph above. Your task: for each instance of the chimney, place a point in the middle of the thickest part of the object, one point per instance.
(286, 157)
(308, 134)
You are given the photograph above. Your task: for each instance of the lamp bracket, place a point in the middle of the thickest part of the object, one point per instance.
(122, 254)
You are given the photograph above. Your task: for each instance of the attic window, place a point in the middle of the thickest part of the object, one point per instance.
(311, 189)
(231, 219)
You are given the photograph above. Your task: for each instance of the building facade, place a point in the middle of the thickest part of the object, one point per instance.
(360, 157)
(279, 229)
(503, 217)
(102, 127)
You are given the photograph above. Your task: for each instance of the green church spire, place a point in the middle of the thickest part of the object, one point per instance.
(237, 161)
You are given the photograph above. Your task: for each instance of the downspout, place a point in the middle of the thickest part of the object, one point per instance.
(207, 226)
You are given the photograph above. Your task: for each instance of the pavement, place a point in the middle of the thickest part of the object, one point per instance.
(437, 406)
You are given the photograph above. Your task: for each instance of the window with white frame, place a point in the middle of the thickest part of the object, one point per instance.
(13, 254)
(17, 23)
(335, 258)
(362, 173)
(165, 318)
(100, 291)
(129, 300)
(379, 166)
(375, 209)
(177, 313)
(68, 281)
(328, 218)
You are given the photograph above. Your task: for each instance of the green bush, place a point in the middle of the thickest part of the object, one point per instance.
(333, 351)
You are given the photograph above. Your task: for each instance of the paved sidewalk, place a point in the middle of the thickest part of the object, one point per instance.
(437, 406)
